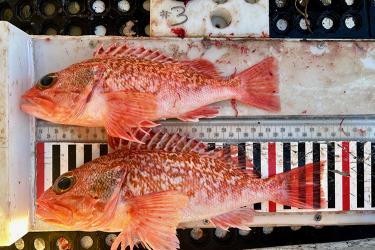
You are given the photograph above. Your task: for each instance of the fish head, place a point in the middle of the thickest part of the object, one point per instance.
(59, 96)
(83, 199)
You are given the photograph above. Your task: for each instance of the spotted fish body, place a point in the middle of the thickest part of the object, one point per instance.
(123, 88)
(147, 190)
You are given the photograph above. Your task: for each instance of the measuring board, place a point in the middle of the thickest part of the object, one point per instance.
(346, 144)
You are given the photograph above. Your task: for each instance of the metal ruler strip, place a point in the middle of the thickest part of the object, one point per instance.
(236, 130)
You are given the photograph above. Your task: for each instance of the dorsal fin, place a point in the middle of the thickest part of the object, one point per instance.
(124, 51)
(163, 141)
(177, 143)
(204, 67)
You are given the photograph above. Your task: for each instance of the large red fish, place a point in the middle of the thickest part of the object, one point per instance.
(147, 190)
(123, 88)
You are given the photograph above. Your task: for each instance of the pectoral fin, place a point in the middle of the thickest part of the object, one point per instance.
(153, 221)
(128, 110)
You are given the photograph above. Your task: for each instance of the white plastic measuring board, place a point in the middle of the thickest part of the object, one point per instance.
(316, 79)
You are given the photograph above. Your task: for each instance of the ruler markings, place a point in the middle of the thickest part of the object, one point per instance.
(236, 130)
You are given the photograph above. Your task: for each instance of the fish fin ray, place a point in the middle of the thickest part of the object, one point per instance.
(204, 67)
(203, 112)
(127, 111)
(238, 218)
(288, 184)
(115, 50)
(259, 86)
(157, 139)
(160, 140)
(143, 218)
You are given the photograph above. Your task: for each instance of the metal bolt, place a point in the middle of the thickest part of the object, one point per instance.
(317, 217)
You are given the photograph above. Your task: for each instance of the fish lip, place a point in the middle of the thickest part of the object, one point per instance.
(56, 214)
(34, 105)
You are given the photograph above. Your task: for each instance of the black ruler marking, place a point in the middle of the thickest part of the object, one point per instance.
(286, 161)
(257, 166)
(302, 177)
(331, 175)
(316, 175)
(360, 175)
(103, 149)
(55, 162)
(72, 157)
(87, 153)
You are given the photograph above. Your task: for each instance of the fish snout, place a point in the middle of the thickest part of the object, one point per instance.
(53, 212)
(37, 105)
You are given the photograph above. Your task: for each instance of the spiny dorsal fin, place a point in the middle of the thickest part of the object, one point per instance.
(124, 51)
(163, 141)
(160, 140)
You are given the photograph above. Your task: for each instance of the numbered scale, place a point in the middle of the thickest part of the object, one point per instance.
(274, 145)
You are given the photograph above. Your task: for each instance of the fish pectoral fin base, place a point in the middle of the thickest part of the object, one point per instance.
(153, 220)
(128, 110)
(239, 218)
(203, 112)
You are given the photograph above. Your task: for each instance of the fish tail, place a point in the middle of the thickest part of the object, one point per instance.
(297, 187)
(259, 86)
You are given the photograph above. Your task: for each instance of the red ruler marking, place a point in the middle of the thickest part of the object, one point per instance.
(39, 169)
(272, 169)
(345, 179)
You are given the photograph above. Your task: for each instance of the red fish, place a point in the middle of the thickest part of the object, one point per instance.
(122, 88)
(147, 190)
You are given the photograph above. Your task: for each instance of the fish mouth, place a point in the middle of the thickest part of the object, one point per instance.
(54, 213)
(38, 106)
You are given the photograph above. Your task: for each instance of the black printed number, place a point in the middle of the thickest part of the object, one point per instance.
(181, 13)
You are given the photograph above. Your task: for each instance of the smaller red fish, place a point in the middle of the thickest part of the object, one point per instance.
(123, 88)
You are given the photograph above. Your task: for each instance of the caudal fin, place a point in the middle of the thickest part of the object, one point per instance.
(259, 86)
(300, 187)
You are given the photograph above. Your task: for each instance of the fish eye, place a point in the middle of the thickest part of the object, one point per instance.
(63, 184)
(46, 81)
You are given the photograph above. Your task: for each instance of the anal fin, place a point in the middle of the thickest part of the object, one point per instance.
(239, 218)
(203, 112)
